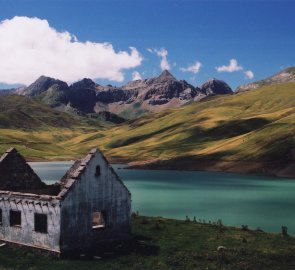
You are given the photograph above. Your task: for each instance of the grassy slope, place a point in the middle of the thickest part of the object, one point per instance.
(257, 125)
(170, 244)
(37, 130)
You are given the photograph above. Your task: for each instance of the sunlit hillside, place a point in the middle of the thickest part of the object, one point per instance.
(258, 125)
(255, 126)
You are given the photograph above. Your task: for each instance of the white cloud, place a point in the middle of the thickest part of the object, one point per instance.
(233, 66)
(136, 76)
(249, 74)
(195, 68)
(30, 47)
(164, 64)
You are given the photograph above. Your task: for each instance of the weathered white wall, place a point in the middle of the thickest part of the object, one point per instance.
(26, 234)
(90, 194)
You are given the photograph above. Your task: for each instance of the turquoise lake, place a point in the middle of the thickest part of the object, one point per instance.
(257, 201)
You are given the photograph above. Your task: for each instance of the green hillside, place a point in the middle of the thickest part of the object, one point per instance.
(24, 113)
(251, 127)
(255, 127)
(36, 129)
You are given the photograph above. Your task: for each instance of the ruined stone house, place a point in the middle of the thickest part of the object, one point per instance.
(89, 207)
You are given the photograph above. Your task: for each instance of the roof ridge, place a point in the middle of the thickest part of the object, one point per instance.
(74, 172)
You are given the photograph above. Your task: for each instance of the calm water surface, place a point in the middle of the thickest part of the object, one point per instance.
(236, 199)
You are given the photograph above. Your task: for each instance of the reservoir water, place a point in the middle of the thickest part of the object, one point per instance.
(256, 201)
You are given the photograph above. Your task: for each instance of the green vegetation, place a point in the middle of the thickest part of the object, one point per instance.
(37, 130)
(20, 112)
(258, 125)
(171, 244)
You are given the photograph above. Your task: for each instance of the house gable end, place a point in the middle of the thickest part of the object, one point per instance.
(16, 174)
(79, 167)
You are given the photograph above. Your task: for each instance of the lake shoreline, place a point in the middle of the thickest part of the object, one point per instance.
(273, 169)
(263, 168)
(236, 198)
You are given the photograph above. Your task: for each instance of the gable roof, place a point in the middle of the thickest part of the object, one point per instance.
(16, 174)
(77, 169)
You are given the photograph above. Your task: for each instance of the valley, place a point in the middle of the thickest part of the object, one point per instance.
(248, 132)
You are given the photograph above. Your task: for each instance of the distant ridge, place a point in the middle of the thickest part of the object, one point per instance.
(127, 102)
(287, 75)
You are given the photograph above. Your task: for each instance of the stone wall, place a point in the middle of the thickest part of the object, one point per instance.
(91, 193)
(28, 205)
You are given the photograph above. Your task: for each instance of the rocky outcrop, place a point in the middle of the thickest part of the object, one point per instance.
(167, 87)
(130, 100)
(82, 96)
(215, 87)
(85, 83)
(41, 85)
(153, 94)
(115, 95)
(287, 75)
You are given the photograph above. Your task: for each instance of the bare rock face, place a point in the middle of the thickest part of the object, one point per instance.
(159, 101)
(41, 85)
(152, 94)
(287, 75)
(130, 100)
(167, 87)
(83, 84)
(215, 87)
(115, 95)
(164, 77)
(82, 95)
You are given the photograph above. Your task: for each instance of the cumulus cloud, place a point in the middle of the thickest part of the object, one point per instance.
(162, 53)
(233, 66)
(30, 47)
(136, 76)
(249, 74)
(195, 68)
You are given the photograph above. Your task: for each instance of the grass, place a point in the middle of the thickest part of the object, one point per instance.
(172, 244)
(258, 125)
(37, 130)
(246, 126)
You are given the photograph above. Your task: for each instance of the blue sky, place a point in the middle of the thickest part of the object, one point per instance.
(259, 35)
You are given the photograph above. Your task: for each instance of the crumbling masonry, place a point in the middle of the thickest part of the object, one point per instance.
(88, 208)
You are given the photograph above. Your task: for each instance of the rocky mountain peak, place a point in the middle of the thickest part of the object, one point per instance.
(130, 100)
(85, 83)
(164, 77)
(215, 87)
(42, 84)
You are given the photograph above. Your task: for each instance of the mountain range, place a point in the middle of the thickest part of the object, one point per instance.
(246, 131)
(118, 103)
(286, 75)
